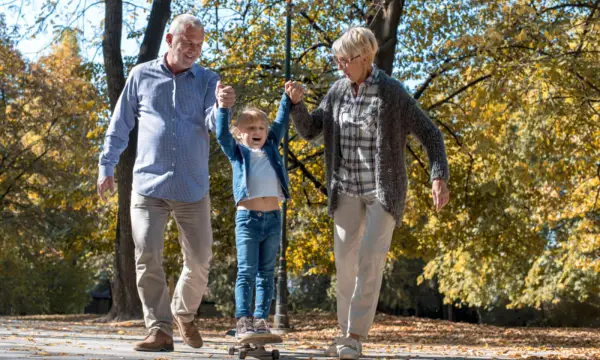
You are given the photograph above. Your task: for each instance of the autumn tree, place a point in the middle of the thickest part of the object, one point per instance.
(126, 303)
(511, 85)
(49, 124)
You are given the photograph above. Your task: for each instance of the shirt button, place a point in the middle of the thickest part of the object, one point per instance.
(172, 164)
(173, 149)
(173, 134)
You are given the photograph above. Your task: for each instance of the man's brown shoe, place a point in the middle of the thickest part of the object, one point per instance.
(189, 333)
(157, 340)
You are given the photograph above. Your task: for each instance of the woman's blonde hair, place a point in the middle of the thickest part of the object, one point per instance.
(249, 115)
(355, 41)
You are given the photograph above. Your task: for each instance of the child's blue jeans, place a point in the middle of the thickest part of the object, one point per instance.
(257, 235)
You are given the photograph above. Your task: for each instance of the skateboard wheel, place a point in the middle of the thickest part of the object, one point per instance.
(242, 354)
(275, 354)
(231, 350)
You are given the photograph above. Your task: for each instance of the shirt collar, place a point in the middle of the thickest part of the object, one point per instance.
(371, 79)
(194, 70)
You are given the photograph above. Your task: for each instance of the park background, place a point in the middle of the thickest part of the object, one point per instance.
(514, 86)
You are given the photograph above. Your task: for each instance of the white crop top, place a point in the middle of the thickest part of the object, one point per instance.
(262, 180)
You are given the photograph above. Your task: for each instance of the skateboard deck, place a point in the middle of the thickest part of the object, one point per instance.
(255, 346)
(261, 339)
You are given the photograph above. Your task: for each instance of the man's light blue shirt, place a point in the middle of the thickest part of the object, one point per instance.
(175, 114)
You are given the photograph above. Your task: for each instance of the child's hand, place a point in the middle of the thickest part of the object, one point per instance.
(225, 95)
(295, 91)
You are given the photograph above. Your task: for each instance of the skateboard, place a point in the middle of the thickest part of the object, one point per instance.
(255, 346)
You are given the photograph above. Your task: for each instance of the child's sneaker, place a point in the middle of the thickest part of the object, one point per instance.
(261, 326)
(349, 348)
(244, 328)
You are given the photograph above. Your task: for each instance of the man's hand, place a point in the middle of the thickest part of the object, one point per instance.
(106, 182)
(295, 91)
(440, 193)
(225, 95)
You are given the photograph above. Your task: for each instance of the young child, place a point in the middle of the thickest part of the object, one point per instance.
(259, 182)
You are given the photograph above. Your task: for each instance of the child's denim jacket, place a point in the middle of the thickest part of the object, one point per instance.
(239, 155)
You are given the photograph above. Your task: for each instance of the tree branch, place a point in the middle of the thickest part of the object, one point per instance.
(314, 47)
(467, 180)
(21, 174)
(562, 6)
(586, 28)
(135, 6)
(316, 27)
(441, 70)
(30, 146)
(308, 174)
(249, 65)
(454, 135)
(462, 89)
(360, 12)
(418, 160)
(598, 192)
(316, 154)
(586, 81)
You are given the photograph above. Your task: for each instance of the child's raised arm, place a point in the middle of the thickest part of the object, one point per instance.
(224, 137)
(280, 125)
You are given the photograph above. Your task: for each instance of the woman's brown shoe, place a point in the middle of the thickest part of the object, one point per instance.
(157, 340)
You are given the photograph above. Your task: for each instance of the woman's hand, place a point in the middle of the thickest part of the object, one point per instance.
(295, 91)
(441, 194)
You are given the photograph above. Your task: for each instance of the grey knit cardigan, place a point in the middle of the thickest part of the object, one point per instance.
(397, 115)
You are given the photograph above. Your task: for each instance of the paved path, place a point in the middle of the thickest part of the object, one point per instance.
(92, 342)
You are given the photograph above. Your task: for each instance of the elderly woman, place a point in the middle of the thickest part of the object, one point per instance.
(365, 120)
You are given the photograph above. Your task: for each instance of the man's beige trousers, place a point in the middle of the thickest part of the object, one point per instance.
(148, 220)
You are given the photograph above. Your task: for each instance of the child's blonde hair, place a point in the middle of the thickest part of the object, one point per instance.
(249, 115)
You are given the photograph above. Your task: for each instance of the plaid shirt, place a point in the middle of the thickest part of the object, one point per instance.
(358, 124)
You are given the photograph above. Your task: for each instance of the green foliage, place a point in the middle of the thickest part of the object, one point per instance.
(400, 291)
(48, 150)
(512, 86)
(221, 285)
(42, 283)
(521, 222)
(50, 113)
(311, 293)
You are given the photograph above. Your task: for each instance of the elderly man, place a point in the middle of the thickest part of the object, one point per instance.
(365, 120)
(173, 100)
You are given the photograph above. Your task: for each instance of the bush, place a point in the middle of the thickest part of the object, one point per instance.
(311, 292)
(221, 286)
(42, 284)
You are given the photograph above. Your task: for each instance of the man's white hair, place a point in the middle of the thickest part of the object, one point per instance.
(180, 22)
(355, 41)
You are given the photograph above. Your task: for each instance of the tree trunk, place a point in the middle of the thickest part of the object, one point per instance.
(385, 26)
(111, 47)
(159, 15)
(125, 299)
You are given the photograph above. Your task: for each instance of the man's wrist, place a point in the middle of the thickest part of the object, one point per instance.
(106, 171)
